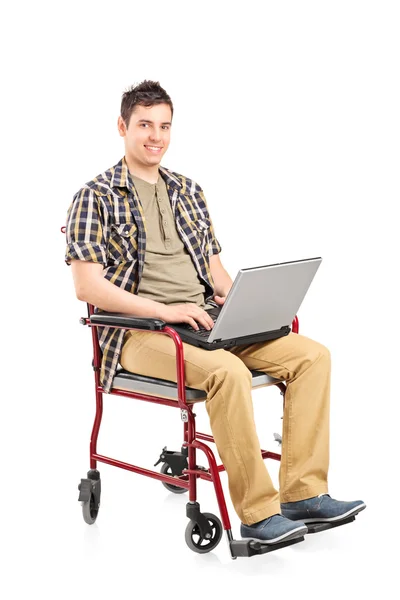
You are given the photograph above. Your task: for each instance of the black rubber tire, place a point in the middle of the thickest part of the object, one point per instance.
(196, 543)
(90, 510)
(166, 470)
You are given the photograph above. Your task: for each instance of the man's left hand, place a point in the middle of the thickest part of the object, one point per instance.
(219, 300)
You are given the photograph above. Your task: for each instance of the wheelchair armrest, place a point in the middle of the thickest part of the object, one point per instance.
(121, 320)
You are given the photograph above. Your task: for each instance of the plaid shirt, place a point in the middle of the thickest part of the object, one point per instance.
(105, 224)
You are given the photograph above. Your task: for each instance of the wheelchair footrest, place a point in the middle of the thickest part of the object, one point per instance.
(317, 527)
(253, 547)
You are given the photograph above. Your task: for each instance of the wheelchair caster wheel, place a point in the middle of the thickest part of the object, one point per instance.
(90, 510)
(194, 539)
(166, 470)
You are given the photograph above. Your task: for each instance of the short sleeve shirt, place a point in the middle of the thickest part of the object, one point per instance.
(106, 224)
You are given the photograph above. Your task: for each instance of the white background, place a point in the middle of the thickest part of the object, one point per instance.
(287, 114)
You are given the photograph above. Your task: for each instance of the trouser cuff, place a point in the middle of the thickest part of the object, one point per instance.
(304, 493)
(252, 517)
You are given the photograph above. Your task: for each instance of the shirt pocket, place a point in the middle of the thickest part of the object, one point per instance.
(202, 224)
(201, 229)
(122, 246)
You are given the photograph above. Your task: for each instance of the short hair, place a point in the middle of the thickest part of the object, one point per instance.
(147, 93)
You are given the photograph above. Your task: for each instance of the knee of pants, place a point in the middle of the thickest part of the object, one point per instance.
(319, 352)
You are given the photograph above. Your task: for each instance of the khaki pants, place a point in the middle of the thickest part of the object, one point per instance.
(225, 376)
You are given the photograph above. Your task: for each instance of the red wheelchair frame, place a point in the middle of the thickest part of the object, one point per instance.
(204, 530)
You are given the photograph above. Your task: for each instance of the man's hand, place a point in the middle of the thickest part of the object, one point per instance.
(219, 300)
(185, 313)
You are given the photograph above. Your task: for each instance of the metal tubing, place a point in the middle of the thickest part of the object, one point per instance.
(205, 437)
(180, 366)
(273, 455)
(216, 481)
(135, 469)
(191, 437)
(139, 396)
(98, 392)
(180, 363)
(230, 540)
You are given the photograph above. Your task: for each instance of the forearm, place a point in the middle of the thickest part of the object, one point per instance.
(222, 282)
(111, 298)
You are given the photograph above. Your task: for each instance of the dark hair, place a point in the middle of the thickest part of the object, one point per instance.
(147, 93)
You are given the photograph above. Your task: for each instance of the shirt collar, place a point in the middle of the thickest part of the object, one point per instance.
(169, 178)
(122, 178)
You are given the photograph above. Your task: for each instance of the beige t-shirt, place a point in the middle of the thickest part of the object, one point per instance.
(169, 275)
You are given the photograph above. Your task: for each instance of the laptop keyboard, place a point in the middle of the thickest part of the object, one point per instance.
(202, 331)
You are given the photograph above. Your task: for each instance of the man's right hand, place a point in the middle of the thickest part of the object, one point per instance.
(185, 313)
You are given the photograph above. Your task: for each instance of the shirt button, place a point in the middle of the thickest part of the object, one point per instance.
(163, 210)
(165, 222)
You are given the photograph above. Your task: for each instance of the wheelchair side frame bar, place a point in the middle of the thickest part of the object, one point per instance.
(189, 476)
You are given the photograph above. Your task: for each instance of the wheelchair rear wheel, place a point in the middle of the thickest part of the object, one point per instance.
(166, 470)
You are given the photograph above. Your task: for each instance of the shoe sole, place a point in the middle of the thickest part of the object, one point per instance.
(350, 513)
(294, 533)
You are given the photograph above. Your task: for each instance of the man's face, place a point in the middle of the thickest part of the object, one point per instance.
(148, 134)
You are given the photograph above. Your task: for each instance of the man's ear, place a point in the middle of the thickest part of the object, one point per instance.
(121, 127)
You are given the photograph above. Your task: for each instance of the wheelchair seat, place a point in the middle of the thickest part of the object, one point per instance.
(132, 382)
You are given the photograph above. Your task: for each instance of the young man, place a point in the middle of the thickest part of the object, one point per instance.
(140, 241)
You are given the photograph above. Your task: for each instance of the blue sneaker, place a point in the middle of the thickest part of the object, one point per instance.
(321, 509)
(273, 530)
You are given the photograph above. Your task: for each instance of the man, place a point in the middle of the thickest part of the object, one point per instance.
(140, 241)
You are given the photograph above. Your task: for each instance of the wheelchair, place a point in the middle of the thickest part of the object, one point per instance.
(179, 471)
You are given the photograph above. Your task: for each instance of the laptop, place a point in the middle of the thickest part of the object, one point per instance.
(260, 306)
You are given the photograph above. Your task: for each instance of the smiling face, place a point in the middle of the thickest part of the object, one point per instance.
(147, 136)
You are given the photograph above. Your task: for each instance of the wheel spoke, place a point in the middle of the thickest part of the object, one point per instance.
(200, 540)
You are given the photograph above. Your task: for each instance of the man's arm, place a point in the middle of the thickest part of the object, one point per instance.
(92, 287)
(222, 280)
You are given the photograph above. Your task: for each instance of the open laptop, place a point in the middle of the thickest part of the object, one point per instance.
(260, 306)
